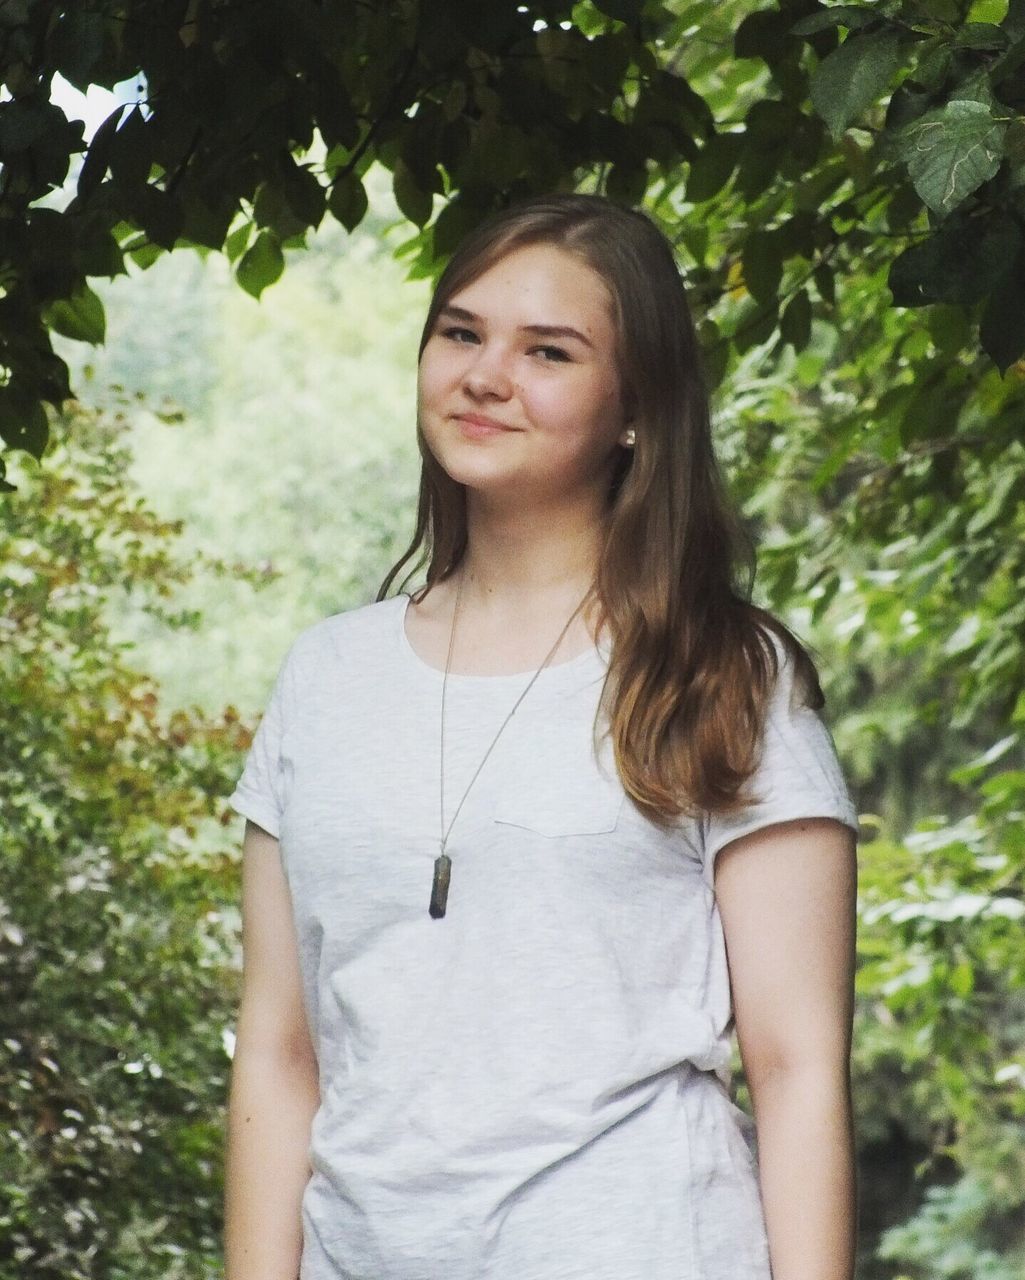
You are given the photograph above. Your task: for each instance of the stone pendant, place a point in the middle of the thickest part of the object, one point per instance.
(439, 890)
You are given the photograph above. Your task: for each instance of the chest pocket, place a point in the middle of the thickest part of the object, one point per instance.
(551, 782)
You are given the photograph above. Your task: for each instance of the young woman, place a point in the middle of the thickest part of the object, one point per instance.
(506, 832)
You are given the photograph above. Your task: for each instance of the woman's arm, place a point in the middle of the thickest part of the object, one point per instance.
(274, 1088)
(786, 896)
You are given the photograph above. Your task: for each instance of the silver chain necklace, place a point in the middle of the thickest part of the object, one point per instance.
(443, 863)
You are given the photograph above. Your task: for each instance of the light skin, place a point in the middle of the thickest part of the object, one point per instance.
(274, 1080)
(792, 978)
(535, 496)
(534, 502)
(530, 344)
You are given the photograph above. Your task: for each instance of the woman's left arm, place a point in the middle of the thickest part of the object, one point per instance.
(786, 896)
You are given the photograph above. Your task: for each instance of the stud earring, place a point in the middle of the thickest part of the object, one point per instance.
(630, 438)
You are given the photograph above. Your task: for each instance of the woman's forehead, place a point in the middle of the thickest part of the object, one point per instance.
(536, 275)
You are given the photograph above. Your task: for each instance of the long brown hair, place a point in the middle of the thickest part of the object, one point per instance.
(692, 659)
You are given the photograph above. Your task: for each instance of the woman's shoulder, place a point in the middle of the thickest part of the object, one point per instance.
(356, 633)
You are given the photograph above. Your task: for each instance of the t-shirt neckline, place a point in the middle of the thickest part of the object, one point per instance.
(552, 673)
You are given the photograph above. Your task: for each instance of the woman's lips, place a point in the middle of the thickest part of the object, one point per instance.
(478, 427)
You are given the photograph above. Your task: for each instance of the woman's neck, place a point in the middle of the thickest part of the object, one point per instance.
(521, 579)
(528, 560)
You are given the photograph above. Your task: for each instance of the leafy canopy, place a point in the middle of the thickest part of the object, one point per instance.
(253, 123)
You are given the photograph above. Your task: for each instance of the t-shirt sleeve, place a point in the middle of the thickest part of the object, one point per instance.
(259, 793)
(798, 775)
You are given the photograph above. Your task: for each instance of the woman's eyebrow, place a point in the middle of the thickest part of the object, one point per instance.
(557, 331)
(542, 330)
(459, 313)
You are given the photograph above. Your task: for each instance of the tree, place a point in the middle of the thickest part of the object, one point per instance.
(253, 122)
(845, 185)
(118, 895)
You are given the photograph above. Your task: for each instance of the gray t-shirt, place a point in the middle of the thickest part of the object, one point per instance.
(534, 1087)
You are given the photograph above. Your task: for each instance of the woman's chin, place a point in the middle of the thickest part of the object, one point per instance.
(480, 473)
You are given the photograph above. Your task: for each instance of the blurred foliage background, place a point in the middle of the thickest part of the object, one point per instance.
(232, 470)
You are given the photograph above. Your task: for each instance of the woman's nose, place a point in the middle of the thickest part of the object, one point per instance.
(488, 374)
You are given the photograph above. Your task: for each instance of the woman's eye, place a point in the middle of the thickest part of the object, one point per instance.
(553, 353)
(458, 334)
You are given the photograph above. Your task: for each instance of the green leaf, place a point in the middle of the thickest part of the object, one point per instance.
(982, 35)
(261, 264)
(950, 327)
(756, 325)
(348, 201)
(694, 236)
(941, 10)
(99, 252)
(94, 166)
(763, 264)
(454, 102)
(238, 241)
(908, 102)
(962, 262)
(795, 324)
(304, 194)
(933, 68)
(145, 253)
(980, 764)
(853, 77)
(951, 151)
(336, 116)
(421, 146)
(14, 14)
(715, 352)
(825, 282)
(1002, 329)
(23, 422)
(131, 153)
(80, 316)
(25, 123)
(621, 10)
(992, 11)
(159, 213)
(931, 412)
(456, 219)
(627, 182)
(837, 15)
(1014, 151)
(206, 225)
(608, 55)
(272, 208)
(713, 166)
(962, 979)
(759, 166)
(413, 202)
(76, 46)
(763, 34)
(1005, 490)
(975, 88)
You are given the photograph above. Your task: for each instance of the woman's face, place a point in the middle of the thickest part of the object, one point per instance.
(518, 388)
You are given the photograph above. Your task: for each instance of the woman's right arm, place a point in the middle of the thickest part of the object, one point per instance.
(274, 1087)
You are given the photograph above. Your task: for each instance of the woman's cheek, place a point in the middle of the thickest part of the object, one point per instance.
(431, 383)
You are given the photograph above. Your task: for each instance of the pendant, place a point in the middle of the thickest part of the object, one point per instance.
(439, 889)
